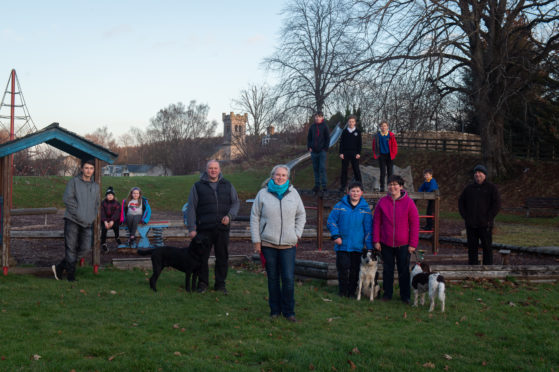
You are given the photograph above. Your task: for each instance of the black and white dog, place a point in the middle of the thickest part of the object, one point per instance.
(368, 276)
(423, 281)
(188, 260)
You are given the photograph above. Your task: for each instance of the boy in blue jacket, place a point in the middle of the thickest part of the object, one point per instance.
(430, 185)
(350, 224)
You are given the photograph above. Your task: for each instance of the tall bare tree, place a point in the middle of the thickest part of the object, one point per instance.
(260, 102)
(447, 39)
(318, 45)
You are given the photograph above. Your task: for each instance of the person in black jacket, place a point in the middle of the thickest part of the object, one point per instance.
(212, 204)
(318, 141)
(350, 151)
(479, 203)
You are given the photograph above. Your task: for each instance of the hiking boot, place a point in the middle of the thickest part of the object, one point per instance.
(56, 271)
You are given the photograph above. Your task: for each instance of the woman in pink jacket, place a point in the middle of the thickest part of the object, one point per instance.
(396, 235)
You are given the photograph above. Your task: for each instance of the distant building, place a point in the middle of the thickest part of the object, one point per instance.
(132, 170)
(234, 133)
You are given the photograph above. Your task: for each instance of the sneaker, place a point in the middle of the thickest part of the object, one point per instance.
(71, 277)
(202, 290)
(274, 316)
(292, 319)
(105, 248)
(57, 272)
(315, 189)
(118, 241)
(324, 190)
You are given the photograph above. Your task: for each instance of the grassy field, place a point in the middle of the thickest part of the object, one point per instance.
(114, 322)
(164, 193)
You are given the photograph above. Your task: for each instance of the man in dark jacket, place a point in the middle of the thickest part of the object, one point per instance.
(318, 141)
(81, 198)
(479, 203)
(350, 151)
(212, 204)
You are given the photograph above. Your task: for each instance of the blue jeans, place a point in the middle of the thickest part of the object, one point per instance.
(319, 168)
(280, 265)
(402, 257)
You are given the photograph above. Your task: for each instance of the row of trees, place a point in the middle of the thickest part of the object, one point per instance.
(486, 66)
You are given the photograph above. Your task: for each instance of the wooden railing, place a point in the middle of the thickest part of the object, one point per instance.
(440, 144)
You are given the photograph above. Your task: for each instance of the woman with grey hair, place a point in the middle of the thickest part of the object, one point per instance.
(277, 220)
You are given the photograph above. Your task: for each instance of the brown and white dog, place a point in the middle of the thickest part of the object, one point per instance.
(368, 276)
(423, 281)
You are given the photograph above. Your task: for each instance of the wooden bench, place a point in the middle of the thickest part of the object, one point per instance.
(541, 203)
(156, 228)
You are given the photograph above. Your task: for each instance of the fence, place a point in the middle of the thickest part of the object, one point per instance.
(538, 151)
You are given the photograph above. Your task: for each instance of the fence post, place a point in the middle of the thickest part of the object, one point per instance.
(319, 221)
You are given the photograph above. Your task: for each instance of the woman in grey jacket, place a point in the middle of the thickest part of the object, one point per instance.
(277, 220)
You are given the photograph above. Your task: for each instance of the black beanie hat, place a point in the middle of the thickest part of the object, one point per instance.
(481, 169)
(110, 191)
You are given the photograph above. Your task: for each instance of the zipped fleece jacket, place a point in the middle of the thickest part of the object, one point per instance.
(392, 145)
(318, 138)
(396, 222)
(146, 211)
(82, 201)
(353, 224)
(279, 222)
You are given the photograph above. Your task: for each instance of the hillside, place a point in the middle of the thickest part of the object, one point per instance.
(451, 170)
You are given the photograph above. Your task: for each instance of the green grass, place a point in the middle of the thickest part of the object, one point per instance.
(113, 321)
(164, 193)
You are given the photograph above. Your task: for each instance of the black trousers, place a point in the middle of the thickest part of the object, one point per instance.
(220, 242)
(115, 228)
(475, 235)
(349, 157)
(386, 166)
(429, 212)
(348, 265)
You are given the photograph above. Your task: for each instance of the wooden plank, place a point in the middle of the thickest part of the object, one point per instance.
(145, 262)
(33, 211)
(5, 183)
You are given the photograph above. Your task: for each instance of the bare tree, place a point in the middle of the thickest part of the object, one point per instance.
(260, 102)
(172, 126)
(443, 40)
(318, 46)
(103, 137)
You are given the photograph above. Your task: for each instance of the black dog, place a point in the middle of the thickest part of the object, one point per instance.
(188, 260)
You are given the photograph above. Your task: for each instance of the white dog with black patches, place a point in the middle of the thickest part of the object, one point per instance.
(368, 276)
(423, 281)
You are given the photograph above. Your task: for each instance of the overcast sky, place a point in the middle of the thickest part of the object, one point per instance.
(87, 64)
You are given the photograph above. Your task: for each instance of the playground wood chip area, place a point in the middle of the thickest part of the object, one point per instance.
(45, 252)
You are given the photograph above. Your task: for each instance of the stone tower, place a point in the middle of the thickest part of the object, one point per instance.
(234, 132)
(234, 127)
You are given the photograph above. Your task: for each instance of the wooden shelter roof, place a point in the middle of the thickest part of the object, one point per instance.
(62, 139)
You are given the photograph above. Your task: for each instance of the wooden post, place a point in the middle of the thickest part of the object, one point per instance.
(96, 249)
(436, 230)
(6, 219)
(319, 220)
